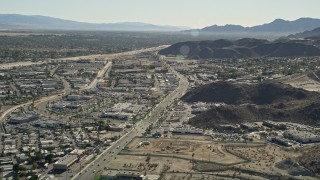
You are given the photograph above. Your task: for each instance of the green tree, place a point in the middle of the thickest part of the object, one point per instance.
(34, 166)
(49, 158)
(16, 168)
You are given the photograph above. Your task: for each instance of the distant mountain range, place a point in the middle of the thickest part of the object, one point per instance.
(313, 34)
(243, 48)
(37, 22)
(277, 26)
(25, 22)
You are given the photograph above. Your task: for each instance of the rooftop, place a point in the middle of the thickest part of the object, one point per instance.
(68, 159)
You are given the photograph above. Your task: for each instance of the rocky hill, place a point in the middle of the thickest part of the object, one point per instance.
(236, 94)
(243, 48)
(255, 102)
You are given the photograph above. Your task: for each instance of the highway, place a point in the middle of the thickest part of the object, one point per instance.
(88, 172)
(101, 56)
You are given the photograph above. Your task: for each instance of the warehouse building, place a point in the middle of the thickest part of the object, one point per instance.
(182, 130)
(274, 125)
(280, 141)
(23, 118)
(302, 136)
(130, 175)
(65, 162)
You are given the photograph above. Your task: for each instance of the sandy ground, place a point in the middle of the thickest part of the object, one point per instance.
(260, 159)
(154, 166)
(201, 138)
(264, 159)
(203, 150)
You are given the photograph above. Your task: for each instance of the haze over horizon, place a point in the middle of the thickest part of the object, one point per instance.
(176, 13)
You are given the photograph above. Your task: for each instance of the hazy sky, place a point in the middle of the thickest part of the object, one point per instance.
(192, 13)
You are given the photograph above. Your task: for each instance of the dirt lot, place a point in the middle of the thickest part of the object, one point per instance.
(227, 160)
(200, 138)
(263, 159)
(155, 165)
(203, 150)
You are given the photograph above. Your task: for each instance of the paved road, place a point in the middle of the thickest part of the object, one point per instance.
(97, 165)
(316, 76)
(115, 55)
(100, 75)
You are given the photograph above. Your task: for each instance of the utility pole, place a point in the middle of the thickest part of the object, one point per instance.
(202, 156)
(192, 160)
(209, 153)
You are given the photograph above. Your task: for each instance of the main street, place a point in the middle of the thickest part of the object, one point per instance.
(97, 165)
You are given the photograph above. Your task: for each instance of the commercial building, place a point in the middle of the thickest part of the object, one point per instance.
(302, 136)
(23, 118)
(65, 162)
(123, 175)
(77, 97)
(78, 152)
(274, 125)
(249, 126)
(115, 128)
(280, 141)
(118, 116)
(182, 130)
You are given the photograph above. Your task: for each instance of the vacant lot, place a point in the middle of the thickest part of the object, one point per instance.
(174, 157)
(151, 165)
(265, 160)
(199, 150)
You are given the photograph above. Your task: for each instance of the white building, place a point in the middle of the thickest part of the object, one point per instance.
(302, 136)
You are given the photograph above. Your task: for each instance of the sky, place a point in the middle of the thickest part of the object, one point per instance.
(190, 13)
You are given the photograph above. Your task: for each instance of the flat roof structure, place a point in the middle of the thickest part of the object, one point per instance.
(65, 162)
